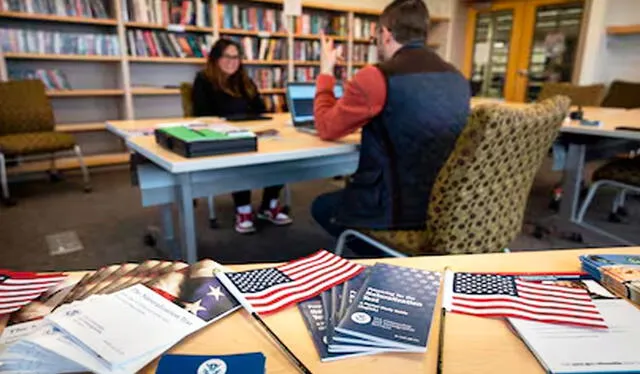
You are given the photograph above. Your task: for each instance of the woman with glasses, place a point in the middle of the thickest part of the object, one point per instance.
(224, 89)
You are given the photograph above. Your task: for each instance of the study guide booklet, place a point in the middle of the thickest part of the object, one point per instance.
(394, 307)
(563, 349)
(245, 363)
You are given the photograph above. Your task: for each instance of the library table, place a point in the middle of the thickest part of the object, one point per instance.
(291, 156)
(471, 344)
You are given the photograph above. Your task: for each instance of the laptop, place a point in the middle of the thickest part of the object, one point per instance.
(300, 102)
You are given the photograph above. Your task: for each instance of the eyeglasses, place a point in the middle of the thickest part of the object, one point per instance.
(231, 57)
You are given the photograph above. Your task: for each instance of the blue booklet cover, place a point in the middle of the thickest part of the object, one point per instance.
(394, 307)
(246, 363)
(313, 314)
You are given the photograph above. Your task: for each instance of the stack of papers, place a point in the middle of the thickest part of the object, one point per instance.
(120, 332)
(386, 308)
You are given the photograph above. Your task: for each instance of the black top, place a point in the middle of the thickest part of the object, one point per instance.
(209, 100)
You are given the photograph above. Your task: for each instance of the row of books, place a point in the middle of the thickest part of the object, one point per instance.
(315, 23)
(618, 273)
(385, 308)
(275, 103)
(306, 50)
(305, 74)
(147, 43)
(164, 12)
(73, 8)
(233, 16)
(55, 42)
(364, 28)
(262, 49)
(268, 77)
(53, 79)
(365, 53)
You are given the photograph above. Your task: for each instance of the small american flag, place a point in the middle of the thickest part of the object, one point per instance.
(270, 290)
(492, 295)
(19, 289)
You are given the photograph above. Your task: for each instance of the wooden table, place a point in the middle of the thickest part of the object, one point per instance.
(295, 156)
(473, 345)
(291, 156)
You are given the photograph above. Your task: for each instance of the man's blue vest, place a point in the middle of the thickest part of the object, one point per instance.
(406, 145)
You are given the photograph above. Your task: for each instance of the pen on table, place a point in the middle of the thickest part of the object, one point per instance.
(443, 314)
(198, 132)
(234, 291)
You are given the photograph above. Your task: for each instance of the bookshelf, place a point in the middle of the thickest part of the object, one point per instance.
(145, 85)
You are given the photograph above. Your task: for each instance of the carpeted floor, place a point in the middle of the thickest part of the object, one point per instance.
(110, 223)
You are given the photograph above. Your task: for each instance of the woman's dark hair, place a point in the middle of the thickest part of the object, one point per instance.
(239, 83)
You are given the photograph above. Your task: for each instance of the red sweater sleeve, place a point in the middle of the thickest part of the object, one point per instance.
(364, 97)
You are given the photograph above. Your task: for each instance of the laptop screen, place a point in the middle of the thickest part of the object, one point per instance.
(300, 97)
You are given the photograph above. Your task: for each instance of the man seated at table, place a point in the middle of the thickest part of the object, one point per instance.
(411, 108)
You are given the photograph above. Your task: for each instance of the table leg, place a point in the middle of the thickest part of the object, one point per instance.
(573, 176)
(187, 219)
(169, 232)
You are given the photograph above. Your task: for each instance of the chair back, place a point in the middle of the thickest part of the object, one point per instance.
(25, 108)
(478, 201)
(623, 95)
(186, 90)
(579, 95)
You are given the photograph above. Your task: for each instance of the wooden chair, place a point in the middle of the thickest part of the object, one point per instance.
(27, 130)
(478, 201)
(579, 95)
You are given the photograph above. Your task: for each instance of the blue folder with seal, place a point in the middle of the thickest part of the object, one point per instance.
(246, 363)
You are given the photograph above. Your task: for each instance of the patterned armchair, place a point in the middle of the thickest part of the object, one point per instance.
(479, 198)
(27, 128)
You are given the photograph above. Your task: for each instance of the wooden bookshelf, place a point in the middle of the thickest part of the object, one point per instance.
(36, 56)
(359, 64)
(262, 34)
(175, 27)
(307, 63)
(154, 91)
(265, 62)
(623, 30)
(170, 60)
(317, 37)
(81, 127)
(85, 92)
(66, 163)
(269, 91)
(56, 18)
(362, 40)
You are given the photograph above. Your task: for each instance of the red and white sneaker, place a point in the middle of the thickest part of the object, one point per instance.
(244, 223)
(275, 216)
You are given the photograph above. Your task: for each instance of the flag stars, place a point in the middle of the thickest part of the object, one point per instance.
(194, 307)
(215, 292)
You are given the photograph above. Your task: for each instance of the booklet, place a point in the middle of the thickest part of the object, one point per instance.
(618, 273)
(566, 349)
(246, 363)
(394, 307)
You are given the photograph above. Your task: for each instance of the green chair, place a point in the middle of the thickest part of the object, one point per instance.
(579, 95)
(27, 129)
(479, 197)
(623, 94)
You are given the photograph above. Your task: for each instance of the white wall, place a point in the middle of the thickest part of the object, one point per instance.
(608, 57)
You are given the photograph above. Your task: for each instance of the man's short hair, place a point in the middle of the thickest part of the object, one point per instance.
(407, 20)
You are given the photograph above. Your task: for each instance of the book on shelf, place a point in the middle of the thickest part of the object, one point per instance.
(165, 12)
(56, 42)
(71, 8)
(364, 28)
(367, 53)
(262, 49)
(306, 74)
(234, 16)
(275, 103)
(53, 79)
(306, 50)
(268, 77)
(155, 43)
(314, 23)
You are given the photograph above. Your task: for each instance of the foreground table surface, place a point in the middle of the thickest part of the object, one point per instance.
(472, 344)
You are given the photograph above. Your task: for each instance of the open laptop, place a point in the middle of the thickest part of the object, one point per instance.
(300, 102)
